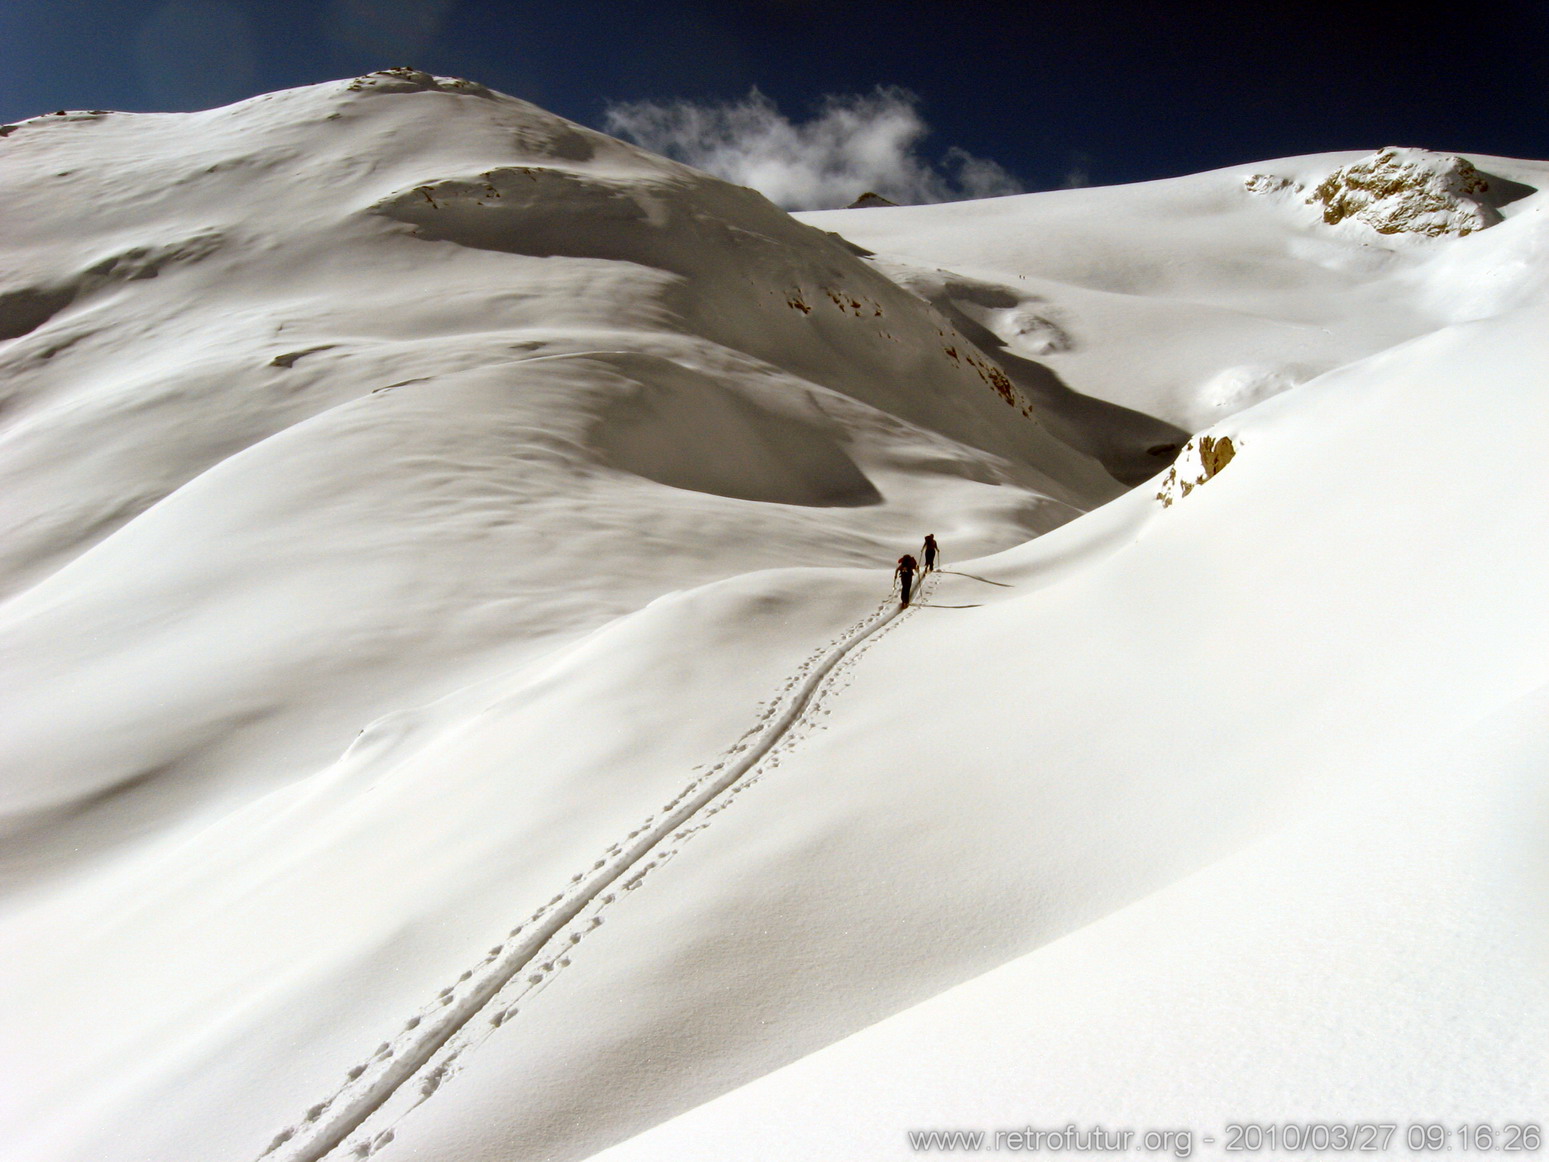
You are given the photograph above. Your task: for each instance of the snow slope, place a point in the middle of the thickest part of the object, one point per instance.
(454, 705)
(1378, 960)
(1191, 298)
(1336, 714)
(425, 405)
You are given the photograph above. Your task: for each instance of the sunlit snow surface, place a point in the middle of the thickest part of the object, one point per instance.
(454, 707)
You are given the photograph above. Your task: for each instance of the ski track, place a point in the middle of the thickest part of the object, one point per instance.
(538, 947)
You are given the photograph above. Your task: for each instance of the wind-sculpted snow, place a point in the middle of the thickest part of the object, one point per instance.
(1021, 329)
(683, 430)
(751, 278)
(406, 494)
(1320, 663)
(290, 447)
(269, 361)
(1189, 299)
(25, 309)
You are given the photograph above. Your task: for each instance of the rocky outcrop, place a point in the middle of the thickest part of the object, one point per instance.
(868, 200)
(1201, 459)
(407, 79)
(1268, 183)
(1408, 191)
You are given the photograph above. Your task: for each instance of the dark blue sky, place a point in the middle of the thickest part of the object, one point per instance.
(1122, 89)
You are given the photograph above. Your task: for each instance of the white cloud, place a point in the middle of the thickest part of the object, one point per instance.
(851, 145)
(1079, 174)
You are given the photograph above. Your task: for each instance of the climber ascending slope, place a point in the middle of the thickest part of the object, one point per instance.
(928, 553)
(904, 575)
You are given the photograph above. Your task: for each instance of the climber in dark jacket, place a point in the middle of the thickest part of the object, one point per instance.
(928, 551)
(904, 575)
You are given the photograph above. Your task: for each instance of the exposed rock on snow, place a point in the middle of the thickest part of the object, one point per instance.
(1200, 460)
(406, 79)
(869, 200)
(1408, 191)
(1263, 184)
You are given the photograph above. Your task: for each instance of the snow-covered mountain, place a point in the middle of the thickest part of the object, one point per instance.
(455, 709)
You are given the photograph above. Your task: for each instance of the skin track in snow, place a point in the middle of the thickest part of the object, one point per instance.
(372, 1084)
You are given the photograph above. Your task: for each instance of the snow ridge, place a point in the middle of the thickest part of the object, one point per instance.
(372, 1084)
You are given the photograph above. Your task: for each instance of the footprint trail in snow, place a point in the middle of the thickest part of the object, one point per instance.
(430, 1043)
